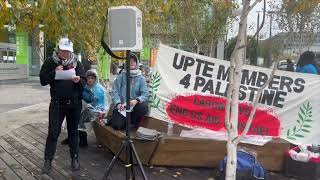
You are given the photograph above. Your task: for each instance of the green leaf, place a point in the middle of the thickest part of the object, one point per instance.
(307, 126)
(157, 80)
(308, 120)
(288, 132)
(304, 107)
(298, 121)
(292, 138)
(300, 116)
(305, 130)
(156, 85)
(294, 129)
(299, 135)
(157, 102)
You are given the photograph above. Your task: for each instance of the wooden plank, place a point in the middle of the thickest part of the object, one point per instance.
(40, 147)
(162, 126)
(6, 172)
(178, 151)
(90, 159)
(32, 157)
(62, 158)
(15, 165)
(62, 154)
(113, 139)
(32, 168)
(10, 138)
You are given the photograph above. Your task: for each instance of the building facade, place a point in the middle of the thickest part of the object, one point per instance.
(18, 58)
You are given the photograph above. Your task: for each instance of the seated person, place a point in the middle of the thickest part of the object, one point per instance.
(138, 96)
(307, 63)
(95, 109)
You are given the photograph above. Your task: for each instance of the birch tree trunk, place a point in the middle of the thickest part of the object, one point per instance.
(235, 75)
(231, 118)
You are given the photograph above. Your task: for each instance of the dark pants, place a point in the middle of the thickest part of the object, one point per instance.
(118, 121)
(57, 112)
(139, 110)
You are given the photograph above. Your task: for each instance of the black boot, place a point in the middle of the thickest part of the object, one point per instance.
(46, 167)
(65, 141)
(75, 164)
(83, 139)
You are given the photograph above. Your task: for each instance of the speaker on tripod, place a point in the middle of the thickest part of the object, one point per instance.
(125, 33)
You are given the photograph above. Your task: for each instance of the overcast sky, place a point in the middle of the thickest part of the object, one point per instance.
(252, 23)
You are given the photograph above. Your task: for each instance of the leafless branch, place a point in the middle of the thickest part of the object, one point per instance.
(253, 5)
(255, 103)
(260, 27)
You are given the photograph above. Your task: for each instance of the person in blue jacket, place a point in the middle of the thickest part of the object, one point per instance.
(96, 105)
(307, 63)
(138, 95)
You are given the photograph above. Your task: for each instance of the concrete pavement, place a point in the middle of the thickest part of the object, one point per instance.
(22, 103)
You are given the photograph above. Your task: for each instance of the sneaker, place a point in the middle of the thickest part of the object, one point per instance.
(75, 164)
(65, 141)
(46, 167)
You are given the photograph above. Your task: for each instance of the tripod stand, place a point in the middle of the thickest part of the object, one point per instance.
(127, 143)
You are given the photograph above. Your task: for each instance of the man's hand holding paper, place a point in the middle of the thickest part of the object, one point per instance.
(66, 75)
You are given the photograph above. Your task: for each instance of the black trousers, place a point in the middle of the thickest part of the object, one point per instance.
(118, 122)
(138, 111)
(57, 112)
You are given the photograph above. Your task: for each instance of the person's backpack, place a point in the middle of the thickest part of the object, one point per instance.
(247, 167)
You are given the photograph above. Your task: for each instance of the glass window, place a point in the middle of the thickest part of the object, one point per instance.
(11, 56)
(1, 56)
(12, 38)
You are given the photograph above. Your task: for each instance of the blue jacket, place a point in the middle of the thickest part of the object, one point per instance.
(95, 96)
(309, 68)
(138, 88)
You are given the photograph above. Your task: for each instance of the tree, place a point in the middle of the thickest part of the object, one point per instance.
(232, 104)
(82, 21)
(196, 25)
(252, 48)
(300, 19)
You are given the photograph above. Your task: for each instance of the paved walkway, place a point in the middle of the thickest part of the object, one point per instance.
(22, 103)
(19, 95)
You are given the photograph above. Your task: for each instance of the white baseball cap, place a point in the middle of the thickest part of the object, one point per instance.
(65, 44)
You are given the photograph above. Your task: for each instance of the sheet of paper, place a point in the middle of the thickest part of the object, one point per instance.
(65, 74)
(124, 112)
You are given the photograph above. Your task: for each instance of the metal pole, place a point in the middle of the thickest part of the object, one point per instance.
(257, 48)
(270, 33)
(128, 116)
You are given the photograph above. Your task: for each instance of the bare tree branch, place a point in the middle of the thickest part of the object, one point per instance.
(260, 27)
(255, 103)
(253, 5)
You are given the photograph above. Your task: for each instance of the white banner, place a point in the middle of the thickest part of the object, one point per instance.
(190, 90)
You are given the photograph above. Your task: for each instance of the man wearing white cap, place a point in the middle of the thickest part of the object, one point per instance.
(65, 99)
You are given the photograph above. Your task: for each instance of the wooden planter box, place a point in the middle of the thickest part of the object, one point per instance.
(112, 140)
(180, 151)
